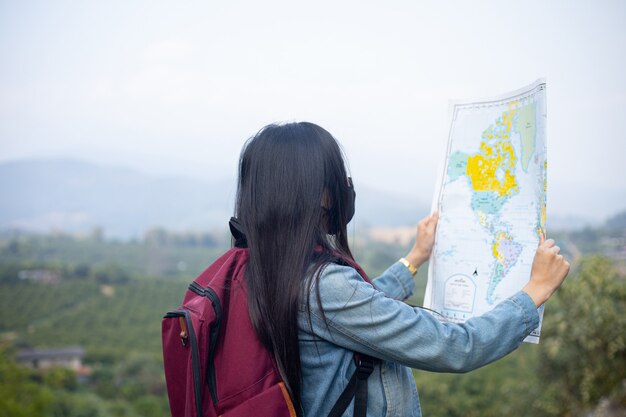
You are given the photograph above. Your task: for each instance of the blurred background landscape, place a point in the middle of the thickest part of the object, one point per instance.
(120, 130)
(92, 307)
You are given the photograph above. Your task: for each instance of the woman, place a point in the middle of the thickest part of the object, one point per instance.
(313, 312)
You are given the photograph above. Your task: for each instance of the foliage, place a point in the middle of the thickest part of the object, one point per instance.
(583, 357)
(114, 313)
(162, 237)
(55, 393)
(375, 257)
(109, 274)
(79, 313)
(60, 378)
(20, 396)
(78, 255)
(503, 388)
(112, 296)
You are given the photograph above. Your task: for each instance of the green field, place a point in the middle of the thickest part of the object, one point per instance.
(112, 295)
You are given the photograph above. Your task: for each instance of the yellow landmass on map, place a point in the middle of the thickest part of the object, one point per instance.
(492, 169)
(482, 218)
(496, 244)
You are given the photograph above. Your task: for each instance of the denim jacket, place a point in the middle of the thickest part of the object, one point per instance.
(374, 321)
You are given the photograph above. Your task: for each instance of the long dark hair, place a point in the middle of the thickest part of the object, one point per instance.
(285, 173)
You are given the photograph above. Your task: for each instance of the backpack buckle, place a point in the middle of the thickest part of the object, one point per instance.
(365, 367)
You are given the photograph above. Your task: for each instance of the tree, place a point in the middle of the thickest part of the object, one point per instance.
(20, 393)
(110, 273)
(583, 351)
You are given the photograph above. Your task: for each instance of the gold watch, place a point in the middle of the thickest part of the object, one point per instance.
(412, 269)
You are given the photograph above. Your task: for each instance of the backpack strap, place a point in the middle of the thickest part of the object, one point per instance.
(357, 388)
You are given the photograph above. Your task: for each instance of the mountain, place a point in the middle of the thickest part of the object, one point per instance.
(617, 221)
(580, 205)
(77, 196)
(72, 195)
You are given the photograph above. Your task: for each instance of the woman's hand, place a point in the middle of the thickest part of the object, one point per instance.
(548, 272)
(424, 241)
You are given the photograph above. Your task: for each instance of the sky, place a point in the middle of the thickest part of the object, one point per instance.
(175, 88)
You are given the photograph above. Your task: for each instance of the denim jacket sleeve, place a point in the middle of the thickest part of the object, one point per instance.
(396, 282)
(365, 319)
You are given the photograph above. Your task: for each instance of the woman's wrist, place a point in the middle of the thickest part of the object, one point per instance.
(536, 293)
(416, 258)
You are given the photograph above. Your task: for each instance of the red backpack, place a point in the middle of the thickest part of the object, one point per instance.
(215, 364)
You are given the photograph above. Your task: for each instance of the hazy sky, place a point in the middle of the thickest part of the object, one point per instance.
(176, 87)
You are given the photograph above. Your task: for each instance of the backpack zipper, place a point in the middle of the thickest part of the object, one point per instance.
(214, 332)
(187, 333)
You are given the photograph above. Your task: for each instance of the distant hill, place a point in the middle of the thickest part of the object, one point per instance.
(617, 221)
(576, 206)
(72, 195)
(77, 196)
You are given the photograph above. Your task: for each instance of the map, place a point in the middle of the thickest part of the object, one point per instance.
(491, 198)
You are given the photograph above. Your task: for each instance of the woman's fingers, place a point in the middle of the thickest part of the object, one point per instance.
(548, 243)
(430, 222)
(424, 240)
(549, 269)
